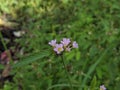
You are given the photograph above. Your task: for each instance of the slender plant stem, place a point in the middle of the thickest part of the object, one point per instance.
(66, 72)
(5, 47)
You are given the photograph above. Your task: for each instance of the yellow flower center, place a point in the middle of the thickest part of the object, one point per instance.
(59, 49)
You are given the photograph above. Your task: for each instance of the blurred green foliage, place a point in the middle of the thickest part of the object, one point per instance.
(94, 24)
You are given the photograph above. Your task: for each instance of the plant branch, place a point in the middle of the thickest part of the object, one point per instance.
(66, 72)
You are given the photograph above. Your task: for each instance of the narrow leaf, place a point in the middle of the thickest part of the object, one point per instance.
(31, 59)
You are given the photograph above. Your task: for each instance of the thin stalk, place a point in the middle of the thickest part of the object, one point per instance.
(66, 72)
(5, 47)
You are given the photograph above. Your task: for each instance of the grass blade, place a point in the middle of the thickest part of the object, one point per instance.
(31, 59)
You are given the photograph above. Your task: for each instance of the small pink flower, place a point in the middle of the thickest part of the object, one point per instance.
(52, 43)
(65, 41)
(68, 49)
(102, 87)
(58, 48)
(75, 44)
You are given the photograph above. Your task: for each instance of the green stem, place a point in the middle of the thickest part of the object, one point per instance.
(66, 72)
(5, 47)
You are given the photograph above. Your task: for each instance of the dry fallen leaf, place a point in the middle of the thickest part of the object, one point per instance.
(6, 71)
(6, 23)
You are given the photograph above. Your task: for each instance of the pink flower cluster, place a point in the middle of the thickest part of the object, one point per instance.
(65, 45)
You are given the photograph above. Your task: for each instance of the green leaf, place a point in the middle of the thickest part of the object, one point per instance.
(7, 87)
(93, 83)
(92, 68)
(1, 66)
(78, 54)
(31, 59)
(65, 1)
(61, 85)
(69, 55)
